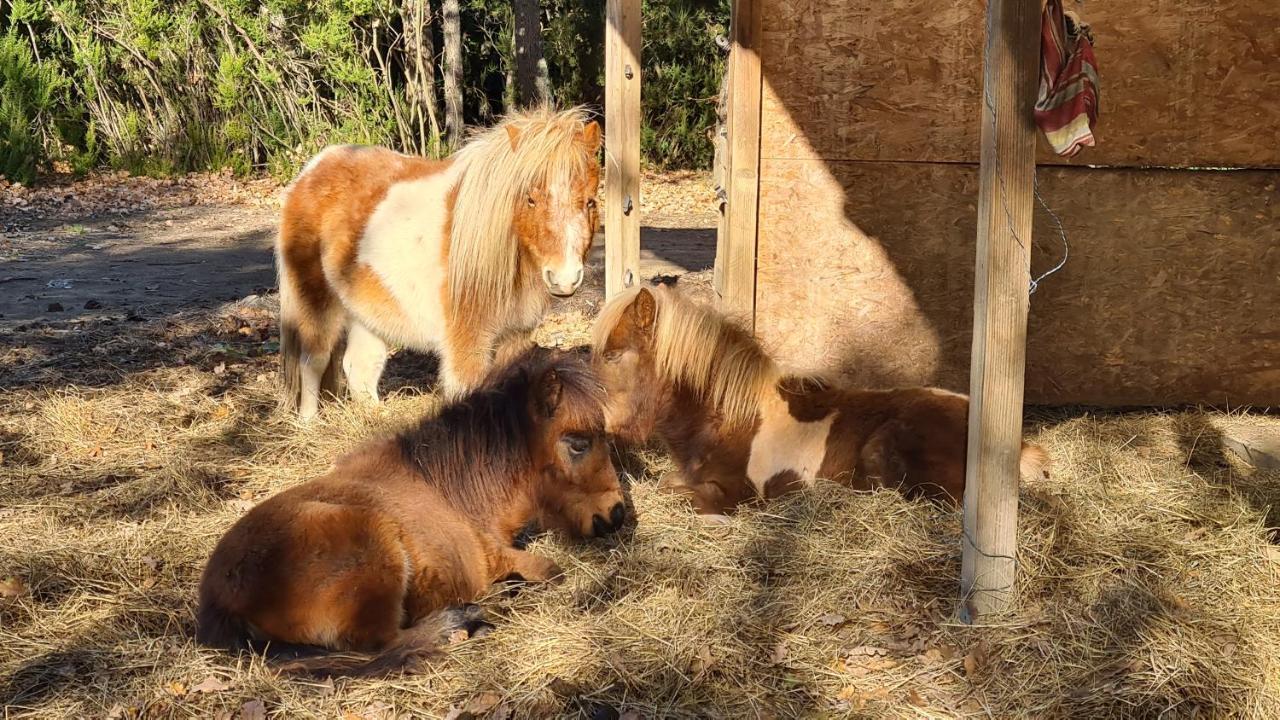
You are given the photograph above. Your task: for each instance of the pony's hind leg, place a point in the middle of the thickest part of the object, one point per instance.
(363, 361)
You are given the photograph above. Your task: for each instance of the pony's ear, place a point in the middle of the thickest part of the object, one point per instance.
(513, 135)
(643, 310)
(549, 392)
(591, 134)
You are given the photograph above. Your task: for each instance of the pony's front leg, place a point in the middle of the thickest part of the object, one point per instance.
(531, 568)
(465, 363)
(363, 362)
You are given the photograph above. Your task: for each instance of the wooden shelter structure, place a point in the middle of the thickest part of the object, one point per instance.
(881, 219)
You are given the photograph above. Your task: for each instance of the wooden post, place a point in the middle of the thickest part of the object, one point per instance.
(736, 271)
(622, 146)
(1005, 191)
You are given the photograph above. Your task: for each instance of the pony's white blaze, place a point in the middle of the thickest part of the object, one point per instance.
(402, 244)
(566, 275)
(783, 443)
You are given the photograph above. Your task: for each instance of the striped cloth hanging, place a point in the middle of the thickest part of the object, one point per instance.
(1067, 105)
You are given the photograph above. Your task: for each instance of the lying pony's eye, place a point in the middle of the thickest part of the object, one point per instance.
(613, 356)
(577, 444)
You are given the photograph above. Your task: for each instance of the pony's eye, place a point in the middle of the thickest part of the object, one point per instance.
(613, 356)
(577, 444)
(529, 199)
(591, 203)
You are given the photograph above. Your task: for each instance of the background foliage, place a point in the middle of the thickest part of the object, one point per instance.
(162, 86)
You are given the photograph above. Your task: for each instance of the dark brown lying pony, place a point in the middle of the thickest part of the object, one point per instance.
(739, 429)
(380, 555)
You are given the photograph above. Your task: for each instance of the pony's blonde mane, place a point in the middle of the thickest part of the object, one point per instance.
(483, 250)
(702, 349)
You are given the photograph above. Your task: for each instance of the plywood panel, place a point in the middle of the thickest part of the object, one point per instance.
(1188, 84)
(1171, 294)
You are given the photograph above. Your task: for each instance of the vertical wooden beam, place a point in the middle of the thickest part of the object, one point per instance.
(1005, 191)
(737, 269)
(622, 146)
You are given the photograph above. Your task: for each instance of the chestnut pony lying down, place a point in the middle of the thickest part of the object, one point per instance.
(739, 428)
(380, 556)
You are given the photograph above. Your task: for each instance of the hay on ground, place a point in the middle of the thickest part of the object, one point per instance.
(1148, 587)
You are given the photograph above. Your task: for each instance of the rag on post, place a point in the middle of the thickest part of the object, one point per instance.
(1067, 105)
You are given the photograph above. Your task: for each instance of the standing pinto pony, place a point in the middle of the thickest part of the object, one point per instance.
(739, 428)
(454, 256)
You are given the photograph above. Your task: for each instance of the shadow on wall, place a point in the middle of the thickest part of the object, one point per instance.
(868, 205)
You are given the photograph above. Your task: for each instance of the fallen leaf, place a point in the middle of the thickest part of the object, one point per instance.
(253, 710)
(702, 662)
(96, 452)
(930, 656)
(779, 653)
(976, 659)
(176, 689)
(149, 446)
(915, 698)
(482, 703)
(12, 588)
(211, 684)
(832, 619)
(123, 712)
(148, 583)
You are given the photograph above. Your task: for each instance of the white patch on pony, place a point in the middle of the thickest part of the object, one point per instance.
(572, 222)
(783, 443)
(403, 245)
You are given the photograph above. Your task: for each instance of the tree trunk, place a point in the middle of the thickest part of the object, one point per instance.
(453, 72)
(419, 69)
(533, 82)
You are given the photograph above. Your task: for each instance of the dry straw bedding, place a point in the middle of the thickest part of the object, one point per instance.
(1148, 586)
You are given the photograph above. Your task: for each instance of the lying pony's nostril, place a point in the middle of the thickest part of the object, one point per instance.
(599, 526)
(618, 515)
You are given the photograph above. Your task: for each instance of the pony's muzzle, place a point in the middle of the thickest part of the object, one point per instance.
(617, 518)
(556, 285)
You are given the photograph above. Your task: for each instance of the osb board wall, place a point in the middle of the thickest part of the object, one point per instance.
(1194, 83)
(1171, 294)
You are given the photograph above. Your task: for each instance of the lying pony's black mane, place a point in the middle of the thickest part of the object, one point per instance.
(476, 450)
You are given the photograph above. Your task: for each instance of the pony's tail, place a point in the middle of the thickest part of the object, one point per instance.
(290, 359)
(292, 313)
(414, 647)
(1033, 463)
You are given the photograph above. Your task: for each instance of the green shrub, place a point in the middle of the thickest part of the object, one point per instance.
(160, 86)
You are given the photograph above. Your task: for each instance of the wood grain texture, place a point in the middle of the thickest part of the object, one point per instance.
(1189, 84)
(1170, 295)
(736, 266)
(1006, 177)
(622, 145)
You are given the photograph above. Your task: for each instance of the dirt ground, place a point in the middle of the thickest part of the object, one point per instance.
(137, 423)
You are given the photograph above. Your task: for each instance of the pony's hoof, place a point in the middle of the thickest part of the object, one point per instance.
(714, 520)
